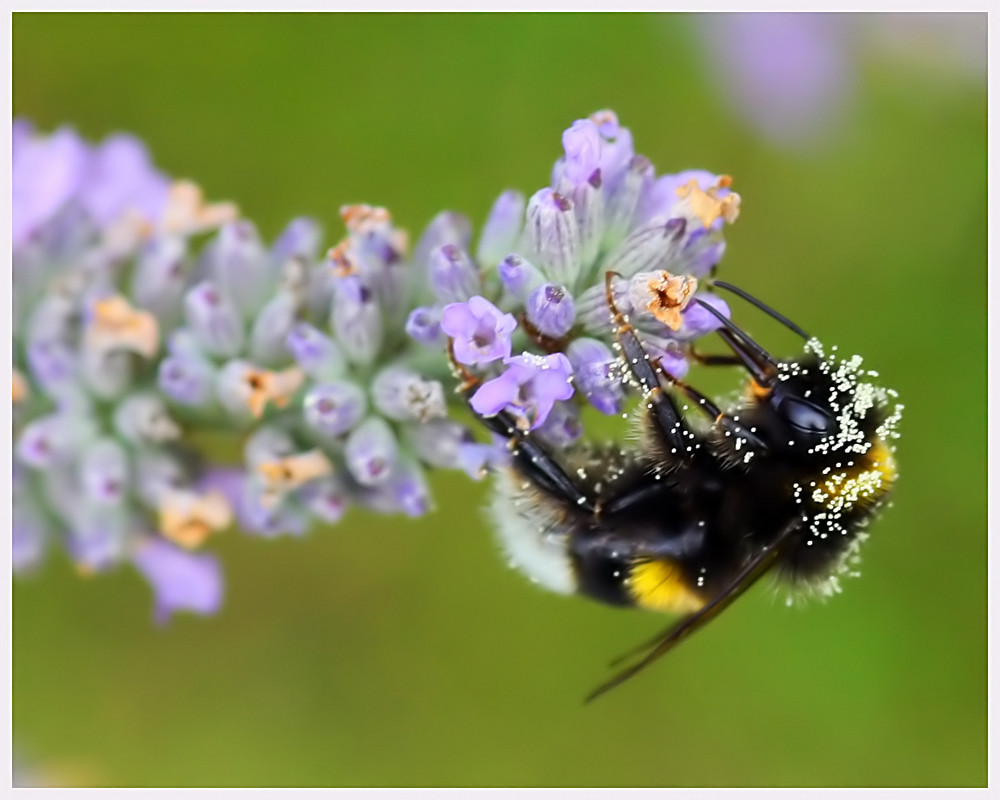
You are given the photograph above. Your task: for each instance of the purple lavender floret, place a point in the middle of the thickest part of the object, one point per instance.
(479, 331)
(529, 387)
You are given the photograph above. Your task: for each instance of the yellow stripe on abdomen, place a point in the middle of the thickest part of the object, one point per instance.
(659, 585)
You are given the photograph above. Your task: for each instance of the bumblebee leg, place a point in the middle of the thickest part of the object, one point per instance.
(723, 420)
(638, 362)
(529, 455)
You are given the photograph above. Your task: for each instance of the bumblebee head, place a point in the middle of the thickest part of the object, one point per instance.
(818, 406)
(823, 407)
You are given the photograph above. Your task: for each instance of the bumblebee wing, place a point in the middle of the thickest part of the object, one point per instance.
(671, 637)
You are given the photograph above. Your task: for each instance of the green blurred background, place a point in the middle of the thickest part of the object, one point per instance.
(392, 652)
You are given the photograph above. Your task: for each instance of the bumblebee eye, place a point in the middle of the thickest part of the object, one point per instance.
(806, 417)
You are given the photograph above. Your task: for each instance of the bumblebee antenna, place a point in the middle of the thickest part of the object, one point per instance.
(763, 307)
(754, 348)
(763, 366)
(746, 578)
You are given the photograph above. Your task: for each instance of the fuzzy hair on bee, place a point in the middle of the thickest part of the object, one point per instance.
(708, 500)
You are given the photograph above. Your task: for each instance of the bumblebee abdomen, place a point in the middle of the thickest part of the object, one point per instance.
(656, 584)
(655, 556)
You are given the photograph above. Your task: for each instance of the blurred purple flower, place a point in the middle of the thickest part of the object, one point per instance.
(46, 172)
(530, 386)
(121, 178)
(181, 581)
(790, 75)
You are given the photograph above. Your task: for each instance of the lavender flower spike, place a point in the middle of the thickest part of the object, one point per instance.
(131, 339)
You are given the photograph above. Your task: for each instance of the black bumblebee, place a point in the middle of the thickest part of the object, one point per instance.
(702, 508)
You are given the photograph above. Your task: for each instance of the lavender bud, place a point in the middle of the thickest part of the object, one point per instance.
(588, 203)
(403, 395)
(97, 535)
(315, 352)
(237, 264)
(595, 374)
(502, 228)
(550, 309)
(592, 310)
(186, 376)
(267, 443)
(214, 320)
(320, 283)
(157, 472)
(453, 276)
(300, 239)
(446, 228)
(437, 442)
(52, 363)
(424, 325)
(356, 320)
(327, 499)
(107, 374)
(371, 452)
(623, 200)
(649, 248)
(477, 459)
(265, 519)
(142, 418)
(160, 279)
(554, 236)
(582, 145)
(562, 427)
(519, 277)
(54, 438)
(617, 150)
(51, 358)
(104, 472)
(271, 329)
(30, 273)
(334, 408)
(409, 489)
(702, 251)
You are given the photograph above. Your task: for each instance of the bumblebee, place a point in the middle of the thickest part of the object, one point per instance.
(710, 500)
